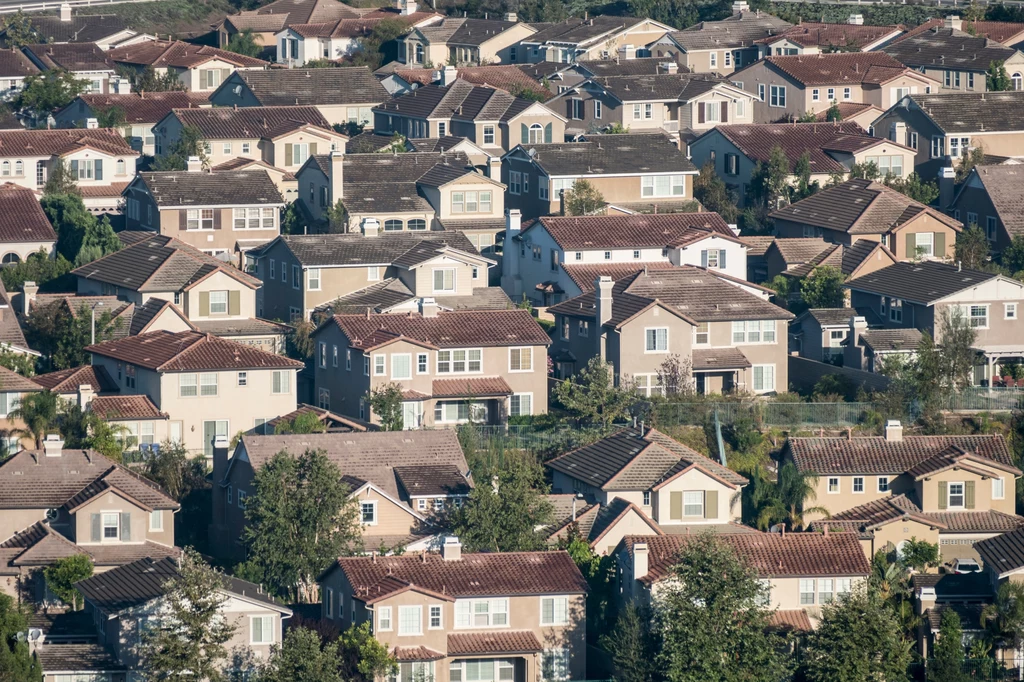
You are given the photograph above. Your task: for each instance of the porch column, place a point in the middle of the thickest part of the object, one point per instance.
(991, 371)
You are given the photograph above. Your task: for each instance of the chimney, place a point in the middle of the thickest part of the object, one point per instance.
(641, 560)
(337, 176)
(893, 431)
(740, 6)
(53, 446)
(925, 599)
(947, 180)
(511, 16)
(194, 164)
(30, 290)
(451, 550)
(668, 67)
(603, 294)
(627, 52)
(856, 19)
(428, 307)
(65, 12)
(494, 168)
(954, 22)
(85, 395)
(510, 280)
(92, 123)
(448, 75)
(408, 7)
(370, 227)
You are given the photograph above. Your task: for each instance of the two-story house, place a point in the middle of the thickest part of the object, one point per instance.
(948, 490)
(271, 18)
(58, 503)
(106, 30)
(452, 366)
(679, 104)
(402, 482)
(593, 37)
(341, 95)
(798, 257)
(209, 387)
(634, 173)
(921, 295)
(466, 42)
(832, 148)
(15, 67)
(283, 137)
(222, 212)
(197, 68)
(511, 78)
(859, 209)
(1008, 33)
(801, 571)
(514, 616)
(488, 117)
(986, 199)
(84, 61)
(790, 86)
(557, 257)
(675, 488)
(810, 37)
(734, 339)
(25, 229)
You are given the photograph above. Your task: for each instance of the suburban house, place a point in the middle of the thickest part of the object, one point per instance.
(227, 383)
(947, 490)
(301, 273)
(268, 20)
(670, 487)
(24, 227)
(141, 110)
(120, 603)
(683, 105)
(735, 340)
(488, 117)
(920, 295)
(556, 258)
(870, 349)
(990, 199)
(955, 58)
(85, 61)
(867, 210)
(101, 160)
(449, 616)
(790, 86)
(221, 213)
(106, 30)
(943, 128)
(466, 42)
(634, 173)
(597, 37)
(562, 76)
(832, 149)
(821, 333)
(797, 257)
(341, 95)
(12, 338)
(1008, 33)
(283, 137)
(15, 67)
(861, 113)
(403, 482)
(720, 46)
(452, 365)
(809, 37)
(802, 571)
(198, 68)
(57, 503)
(14, 387)
(511, 78)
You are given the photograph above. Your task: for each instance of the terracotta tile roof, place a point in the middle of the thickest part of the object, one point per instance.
(507, 77)
(507, 642)
(69, 56)
(119, 407)
(865, 517)
(470, 387)
(629, 231)
(773, 555)
(69, 380)
(814, 34)
(583, 276)
(873, 454)
(1003, 553)
(334, 422)
(839, 68)
(448, 329)
(847, 110)
(147, 107)
(11, 381)
(712, 359)
(594, 520)
(163, 53)
(791, 620)
(416, 653)
(314, 87)
(505, 574)
(114, 189)
(286, 12)
(62, 141)
(251, 122)
(958, 458)
(21, 217)
(190, 351)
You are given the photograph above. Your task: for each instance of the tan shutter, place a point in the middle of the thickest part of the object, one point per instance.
(204, 303)
(710, 504)
(183, 219)
(675, 506)
(943, 495)
(911, 245)
(969, 494)
(216, 218)
(287, 155)
(940, 244)
(234, 303)
(312, 148)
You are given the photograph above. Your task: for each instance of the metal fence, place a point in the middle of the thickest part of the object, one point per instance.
(761, 413)
(986, 400)
(980, 670)
(528, 437)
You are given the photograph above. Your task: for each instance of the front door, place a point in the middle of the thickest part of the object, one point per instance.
(211, 430)
(412, 414)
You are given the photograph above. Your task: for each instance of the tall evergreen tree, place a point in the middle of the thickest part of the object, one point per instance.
(947, 664)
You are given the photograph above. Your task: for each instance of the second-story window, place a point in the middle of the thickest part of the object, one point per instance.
(481, 613)
(657, 340)
(520, 359)
(488, 134)
(422, 360)
(188, 385)
(444, 280)
(111, 526)
(401, 366)
(218, 303)
(459, 361)
(662, 186)
(313, 279)
(281, 382)
(702, 334)
(208, 384)
(436, 622)
(379, 365)
(410, 620)
(554, 610)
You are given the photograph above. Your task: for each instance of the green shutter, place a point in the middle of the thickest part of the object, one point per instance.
(312, 148)
(969, 494)
(675, 506)
(126, 527)
(234, 303)
(940, 244)
(97, 529)
(525, 133)
(204, 303)
(287, 155)
(710, 504)
(547, 133)
(911, 245)
(943, 495)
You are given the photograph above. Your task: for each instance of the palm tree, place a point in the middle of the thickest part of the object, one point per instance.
(1004, 617)
(39, 413)
(793, 488)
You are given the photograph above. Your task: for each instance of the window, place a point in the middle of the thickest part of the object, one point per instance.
(806, 591)
(662, 186)
(300, 152)
(1009, 311)
(990, 228)
(188, 385)
(728, 58)
(261, 630)
(111, 526)
(636, 254)
(607, 255)
(243, 379)
(753, 331)
(713, 56)
(444, 280)
(554, 610)
(199, 219)
(998, 488)
(442, 129)
(831, 94)
(555, 664)
(334, 355)
(226, 148)
(218, 303)
(760, 91)
(324, 398)
(825, 590)
(328, 602)
(647, 498)
(956, 495)
(883, 484)
(542, 187)
(273, 274)
(384, 618)
(712, 258)
(597, 108)
(913, 140)
(702, 334)
(576, 109)
(379, 365)
(435, 618)
(938, 146)
(520, 359)
(421, 363)
(481, 613)
(896, 310)
(281, 381)
(520, 404)
(515, 182)
(401, 366)
(368, 511)
(764, 378)
(847, 94)
(156, 519)
(583, 329)
(296, 277)
(732, 164)
(924, 244)
(322, 354)
(373, 273)
(208, 384)
(978, 315)
(489, 134)
(693, 503)
(844, 586)
(245, 147)
(241, 499)
(833, 484)
(778, 96)
(657, 340)
(459, 361)
(858, 484)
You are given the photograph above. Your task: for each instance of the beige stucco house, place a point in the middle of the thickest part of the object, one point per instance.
(592, 37)
(466, 42)
(197, 68)
(720, 46)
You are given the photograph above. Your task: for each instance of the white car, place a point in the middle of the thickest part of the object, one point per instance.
(966, 566)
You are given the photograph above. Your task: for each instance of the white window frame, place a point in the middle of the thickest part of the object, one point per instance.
(380, 365)
(397, 356)
(647, 340)
(828, 485)
(1009, 311)
(962, 494)
(313, 275)
(266, 629)
(158, 516)
(764, 387)
(998, 488)
(858, 481)
(439, 611)
(520, 350)
(777, 96)
(559, 610)
(883, 484)
(383, 622)
(518, 410)
(372, 504)
(803, 585)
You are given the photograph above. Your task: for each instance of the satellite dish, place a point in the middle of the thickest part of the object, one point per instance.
(21, 637)
(777, 528)
(237, 90)
(52, 514)
(34, 634)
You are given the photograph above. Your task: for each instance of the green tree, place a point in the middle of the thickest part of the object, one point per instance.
(713, 621)
(786, 500)
(858, 638)
(947, 664)
(300, 340)
(592, 396)
(81, 236)
(38, 411)
(16, 663)
(386, 403)
(505, 508)
(23, 364)
(710, 190)
(38, 268)
(302, 657)
(1012, 257)
(972, 247)
(191, 642)
(60, 182)
(914, 187)
(823, 288)
(919, 554)
(997, 80)
(1003, 619)
(190, 143)
(19, 31)
(834, 115)
(380, 46)
(244, 43)
(769, 182)
(111, 117)
(363, 658)
(86, 430)
(49, 91)
(148, 80)
(633, 645)
(616, 128)
(802, 170)
(306, 422)
(582, 199)
(949, 365)
(63, 337)
(865, 171)
(337, 218)
(967, 163)
(173, 470)
(98, 241)
(300, 519)
(62, 575)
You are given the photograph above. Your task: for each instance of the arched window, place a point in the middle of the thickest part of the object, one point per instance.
(1018, 81)
(392, 225)
(5, 168)
(10, 258)
(417, 224)
(120, 167)
(19, 168)
(536, 134)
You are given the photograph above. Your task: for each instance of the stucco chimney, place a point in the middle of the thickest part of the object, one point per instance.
(954, 22)
(65, 12)
(448, 75)
(53, 446)
(337, 178)
(947, 182)
(856, 19)
(451, 550)
(641, 560)
(370, 227)
(494, 168)
(85, 395)
(668, 67)
(603, 296)
(510, 280)
(429, 307)
(194, 164)
(511, 16)
(30, 290)
(893, 431)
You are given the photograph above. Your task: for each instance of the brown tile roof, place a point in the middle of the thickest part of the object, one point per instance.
(251, 122)
(430, 480)
(416, 653)
(118, 407)
(14, 64)
(594, 520)
(276, 15)
(814, 34)
(21, 217)
(1002, 185)
(866, 517)
(791, 620)
(847, 110)
(449, 329)
(69, 380)
(171, 189)
(711, 359)
(999, 31)
(312, 87)
(507, 642)
(76, 658)
(626, 231)
(189, 351)
(773, 555)
(505, 574)
(163, 53)
(62, 141)
(11, 381)
(507, 77)
(470, 387)
(69, 56)
(957, 458)
(875, 455)
(583, 276)
(839, 68)
(146, 107)
(892, 339)
(334, 422)
(1003, 553)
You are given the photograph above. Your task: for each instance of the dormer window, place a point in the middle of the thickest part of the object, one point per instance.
(111, 526)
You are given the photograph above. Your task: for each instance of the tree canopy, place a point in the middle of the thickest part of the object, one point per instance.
(50, 90)
(62, 575)
(582, 198)
(592, 396)
(823, 288)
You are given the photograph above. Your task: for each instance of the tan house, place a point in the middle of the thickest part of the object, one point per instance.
(466, 42)
(720, 46)
(106, 30)
(734, 339)
(84, 61)
(590, 38)
(271, 18)
(198, 68)
(864, 210)
(798, 257)
(810, 37)
(208, 386)
(14, 387)
(1007, 33)
(601, 525)
(790, 86)
(516, 616)
(402, 482)
(25, 229)
(58, 503)
(452, 366)
(988, 198)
